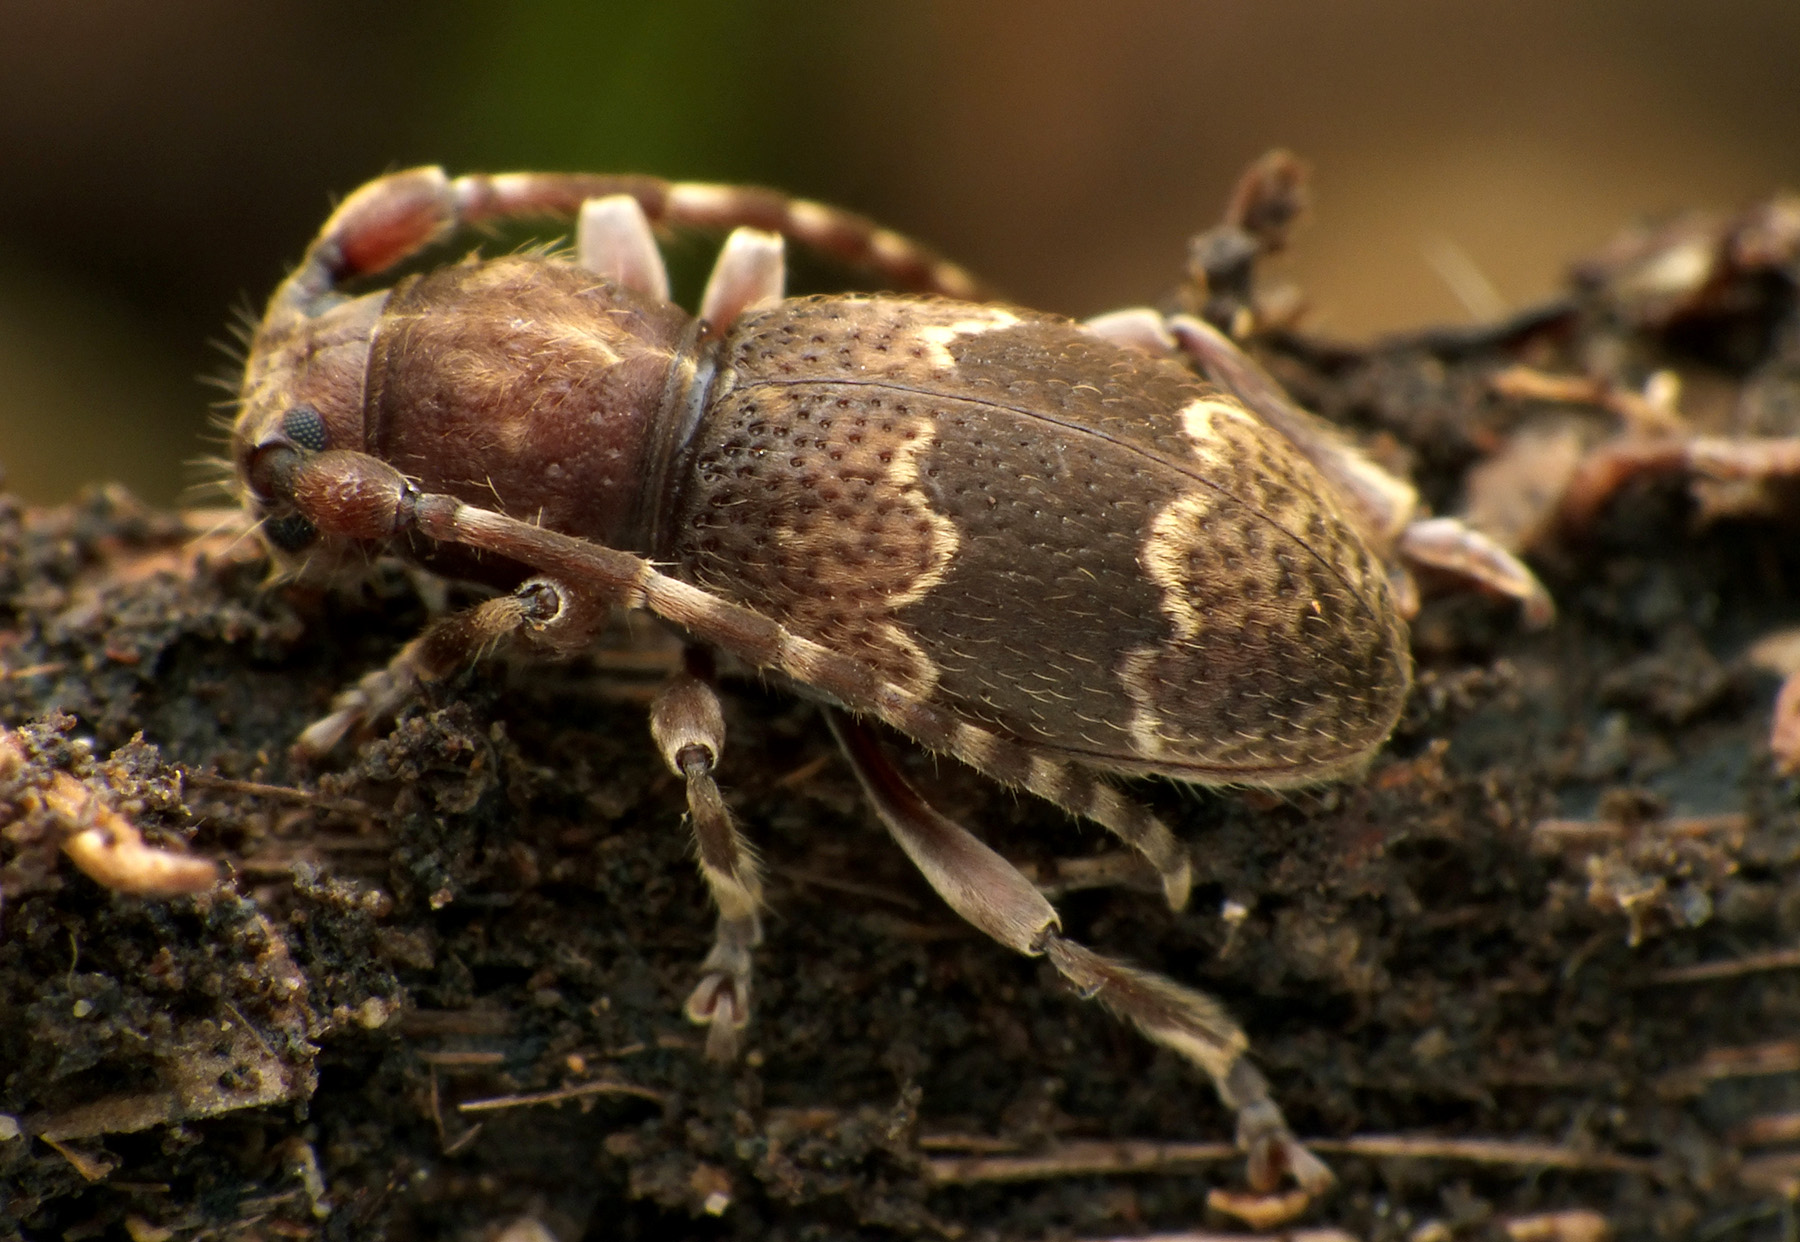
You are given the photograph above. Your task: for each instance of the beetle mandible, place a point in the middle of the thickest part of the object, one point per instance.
(1048, 549)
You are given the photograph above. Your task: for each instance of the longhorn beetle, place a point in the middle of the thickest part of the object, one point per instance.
(1046, 548)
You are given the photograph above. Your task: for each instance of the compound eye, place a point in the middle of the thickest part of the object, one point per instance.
(304, 428)
(290, 532)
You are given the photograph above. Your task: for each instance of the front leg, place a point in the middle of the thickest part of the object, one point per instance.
(541, 612)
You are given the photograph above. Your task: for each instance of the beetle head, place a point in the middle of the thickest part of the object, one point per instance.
(302, 393)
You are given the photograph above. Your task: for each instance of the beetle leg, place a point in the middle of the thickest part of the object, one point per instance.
(1383, 503)
(540, 611)
(613, 239)
(1387, 504)
(1081, 793)
(690, 731)
(1139, 328)
(751, 272)
(356, 496)
(992, 895)
(1449, 545)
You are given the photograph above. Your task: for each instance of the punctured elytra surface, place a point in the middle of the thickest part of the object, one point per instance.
(1079, 546)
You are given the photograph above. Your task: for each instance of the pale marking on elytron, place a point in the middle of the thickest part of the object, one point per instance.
(903, 473)
(1200, 420)
(918, 674)
(1211, 424)
(944, 540)
(938, 336)
(1164, 559)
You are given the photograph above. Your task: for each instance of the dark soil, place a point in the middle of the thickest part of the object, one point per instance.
(497, 899)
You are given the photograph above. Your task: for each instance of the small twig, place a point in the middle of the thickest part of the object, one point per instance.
(1653, 411)
(1260, 1209)
(1781, 1056)
(837, 884)
(1555, 836)
(805, 772)
(1778, 1172)
(1214, 1235)
(452, 1060)
(1767, 1130)
(557, 1096)
(1570, 1225)
(1074, 1159)
(1485, 1151)
(92, 1168)
(255, 1033)
(280, 793)
(110, 849)
(1326, 1234)
(463, 1140)
(35, 670)
(1146, 1156)
(430, 1023)
(99, 840)
(1704, 972)
(966, 1143)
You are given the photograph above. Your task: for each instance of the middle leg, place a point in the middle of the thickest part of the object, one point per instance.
(689, 729)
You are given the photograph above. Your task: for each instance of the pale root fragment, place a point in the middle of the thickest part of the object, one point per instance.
(98, 839)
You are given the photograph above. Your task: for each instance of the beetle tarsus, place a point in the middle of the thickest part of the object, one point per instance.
(1270, 1148)
(613, 239)
(751, 273)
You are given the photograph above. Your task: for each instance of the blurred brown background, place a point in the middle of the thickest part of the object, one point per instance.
(160, 164)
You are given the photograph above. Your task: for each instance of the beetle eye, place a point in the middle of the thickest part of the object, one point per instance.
(305, 429)
(290, 532)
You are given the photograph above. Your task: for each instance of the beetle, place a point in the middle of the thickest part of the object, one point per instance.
(1046, 548)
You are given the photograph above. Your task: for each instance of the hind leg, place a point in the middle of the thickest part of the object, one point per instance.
(990, 893)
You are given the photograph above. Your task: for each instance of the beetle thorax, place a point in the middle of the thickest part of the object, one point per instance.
(525, 385)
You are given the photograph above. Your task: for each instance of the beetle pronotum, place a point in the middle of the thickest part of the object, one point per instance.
(1045, 548)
